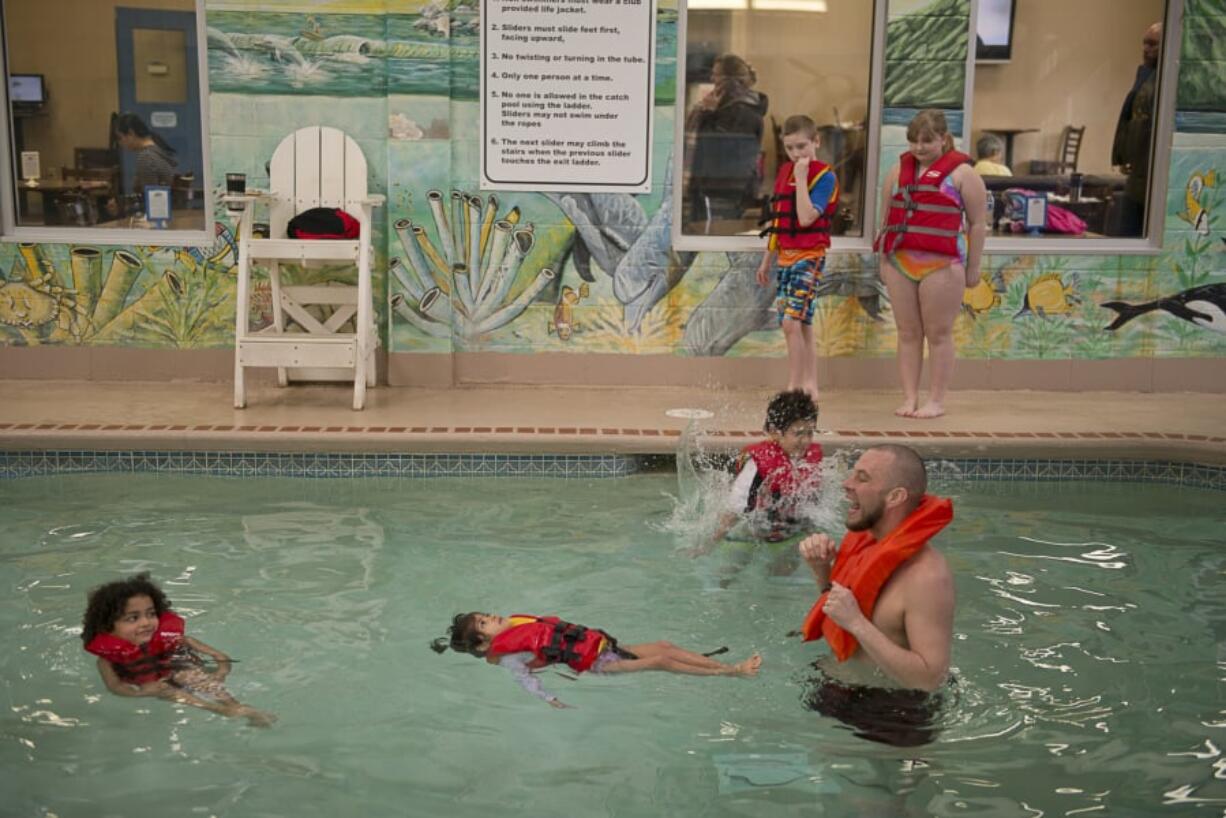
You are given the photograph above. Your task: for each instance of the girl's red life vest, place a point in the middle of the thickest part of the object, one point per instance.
(149, 662)
(781, 477)
(922, 216)
(550, 640)
(864, 565)
(785, 230)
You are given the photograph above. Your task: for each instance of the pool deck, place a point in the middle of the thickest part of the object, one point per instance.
(93, 415)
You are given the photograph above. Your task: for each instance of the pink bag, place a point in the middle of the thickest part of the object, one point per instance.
(1059, 219)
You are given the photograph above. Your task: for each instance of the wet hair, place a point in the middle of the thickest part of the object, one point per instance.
(106, 603)
(799, 123)
(130, 123)
(462, 636)
(788, 407)
(906, 470)
(930, 121)
(736, 69)
(989, 145)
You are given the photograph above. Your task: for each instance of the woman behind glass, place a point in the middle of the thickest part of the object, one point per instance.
(727, 126)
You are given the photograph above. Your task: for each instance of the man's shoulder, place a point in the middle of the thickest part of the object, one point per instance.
(925, 566)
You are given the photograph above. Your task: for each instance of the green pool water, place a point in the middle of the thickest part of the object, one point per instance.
(1088, 651)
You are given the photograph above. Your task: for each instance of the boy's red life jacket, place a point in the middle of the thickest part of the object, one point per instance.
(785, 231)
(921, 216)
(779, 477)
(550, 640)
(864, 565)
(149, 662)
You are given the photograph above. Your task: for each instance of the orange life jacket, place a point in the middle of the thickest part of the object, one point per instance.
(921, 216)
(778, 476)
(785, 231)
(863, 565)
(149, 662)
(550, 640)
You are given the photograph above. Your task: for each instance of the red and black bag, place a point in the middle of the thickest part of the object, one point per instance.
(323, 223)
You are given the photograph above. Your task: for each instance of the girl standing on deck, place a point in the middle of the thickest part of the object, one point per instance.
(931, 243)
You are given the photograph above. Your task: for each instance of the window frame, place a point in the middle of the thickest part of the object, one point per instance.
(11, 232)
(1161, 149)
(845, 244)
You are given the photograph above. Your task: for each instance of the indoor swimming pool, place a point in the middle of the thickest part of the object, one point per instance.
(1089, 655)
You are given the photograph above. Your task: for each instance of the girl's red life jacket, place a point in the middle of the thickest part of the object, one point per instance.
(782, 477)
(550, 640)
(785, 231)
(149, 662)
(921, 216)
(864, 565)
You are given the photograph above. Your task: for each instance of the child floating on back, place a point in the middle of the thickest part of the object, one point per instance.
(776, 476)
(523, 644)
(143, 651)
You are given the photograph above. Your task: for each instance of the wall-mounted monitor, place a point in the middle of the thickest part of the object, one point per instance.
(994, 31)
(27, 89)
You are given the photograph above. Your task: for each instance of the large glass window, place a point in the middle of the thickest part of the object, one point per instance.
(748, 65)
(105, 128)
(1067, 109)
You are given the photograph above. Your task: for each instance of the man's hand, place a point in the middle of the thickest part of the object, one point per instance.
(818, 550)
(841, 606)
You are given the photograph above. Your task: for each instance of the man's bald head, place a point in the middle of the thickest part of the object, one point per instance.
(1151, 45)
(906, 470)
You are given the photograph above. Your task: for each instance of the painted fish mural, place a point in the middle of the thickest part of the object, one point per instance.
(1194, 212)
(563, 321)
(984, 296)
(1204, 306)
(1049, 295)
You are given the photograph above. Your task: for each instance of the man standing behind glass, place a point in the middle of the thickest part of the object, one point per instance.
(1133, 132)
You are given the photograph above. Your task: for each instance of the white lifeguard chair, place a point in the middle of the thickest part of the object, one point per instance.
(312, 167)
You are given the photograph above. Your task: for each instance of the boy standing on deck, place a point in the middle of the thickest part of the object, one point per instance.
(805, 197)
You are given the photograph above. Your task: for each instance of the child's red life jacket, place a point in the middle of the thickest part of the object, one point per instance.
(785, 231)
(149, 662)
(780, 477)
(550, 641)
(921, 216)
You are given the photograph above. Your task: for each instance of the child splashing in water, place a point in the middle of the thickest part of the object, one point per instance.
(523, 644)
(143, 651)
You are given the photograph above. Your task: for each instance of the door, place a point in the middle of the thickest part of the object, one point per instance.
(159, 81)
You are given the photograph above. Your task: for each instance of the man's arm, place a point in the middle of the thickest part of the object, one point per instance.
(927, 622)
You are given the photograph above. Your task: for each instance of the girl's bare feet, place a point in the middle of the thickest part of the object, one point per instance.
(928, 410)
(907, 409)
(749, 667)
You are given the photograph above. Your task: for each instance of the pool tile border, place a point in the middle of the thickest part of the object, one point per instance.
(17, 464)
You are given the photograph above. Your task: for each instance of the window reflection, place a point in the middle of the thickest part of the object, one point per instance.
(98, 136)
(1070, 118)
(747, 70)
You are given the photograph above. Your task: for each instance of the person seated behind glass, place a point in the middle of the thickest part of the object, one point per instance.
(155, 164)
(727, 126)
(990, 149)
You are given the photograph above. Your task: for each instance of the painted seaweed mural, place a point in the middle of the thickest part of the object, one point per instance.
(161, 297)
(460, 279)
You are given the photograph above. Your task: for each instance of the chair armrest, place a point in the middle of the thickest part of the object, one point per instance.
(374, 200)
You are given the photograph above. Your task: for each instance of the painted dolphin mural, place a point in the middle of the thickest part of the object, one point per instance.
(1204, 306)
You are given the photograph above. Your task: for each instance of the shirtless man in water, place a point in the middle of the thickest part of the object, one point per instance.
(907, 637)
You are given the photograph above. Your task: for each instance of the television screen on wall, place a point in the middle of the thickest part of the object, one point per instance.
(994, 31)
(27, 89)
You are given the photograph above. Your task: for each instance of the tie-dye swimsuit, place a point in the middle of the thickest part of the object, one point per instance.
(918, 264)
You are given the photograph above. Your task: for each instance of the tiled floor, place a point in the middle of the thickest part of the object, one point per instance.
(191, 415)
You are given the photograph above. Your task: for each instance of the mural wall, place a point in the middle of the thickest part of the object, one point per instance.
(597, 272)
